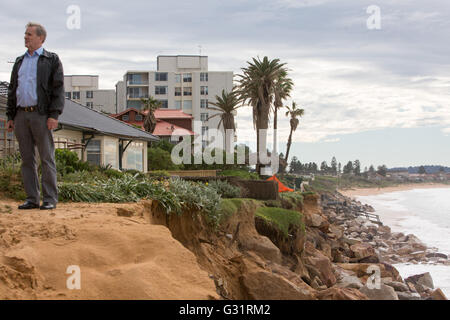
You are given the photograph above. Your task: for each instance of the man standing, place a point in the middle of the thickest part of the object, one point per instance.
(35, 101)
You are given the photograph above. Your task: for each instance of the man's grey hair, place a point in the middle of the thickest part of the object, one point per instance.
(40, 30)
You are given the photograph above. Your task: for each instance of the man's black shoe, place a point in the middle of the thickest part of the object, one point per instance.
(28, 205)
(47, 206)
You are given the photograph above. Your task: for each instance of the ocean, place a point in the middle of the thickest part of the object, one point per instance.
(424, 213)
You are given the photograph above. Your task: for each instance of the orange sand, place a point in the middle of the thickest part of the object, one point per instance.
(119, 257)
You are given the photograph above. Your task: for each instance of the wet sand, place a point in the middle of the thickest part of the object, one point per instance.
(376, 191)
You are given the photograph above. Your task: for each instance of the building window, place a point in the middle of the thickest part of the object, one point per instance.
(203, 76)
(187, 77)
(161, 76)
(177, 78)
(177, 104)
(135, 155)
(111, 153)
(164, 104)
(204, 90)
(203, 103)
(204, 116)
(93, 150)
(187, 91)
(137, 93)
(138, 117)
(125, 117)
(177, 91)
(160, 89)
(204, 131)
(89, 94)
(187, 104)
(134, 78)
(69, 95)
(90, 105)
(76, 95)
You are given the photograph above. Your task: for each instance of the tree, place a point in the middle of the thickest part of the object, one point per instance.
(382, 170)
(371, 169)
(150, 104)
(159, 159)
(282, 89)
(422, 170)
(339, 168)
(256, 87)
(324, 167)
(348, 168)
(333, 166)
(357, 167)
(294, 113)
(295, 166)
(226, 105)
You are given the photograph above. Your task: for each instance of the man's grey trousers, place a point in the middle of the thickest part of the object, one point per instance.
(31, 131)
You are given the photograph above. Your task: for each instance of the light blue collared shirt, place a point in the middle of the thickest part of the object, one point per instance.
(27, 88)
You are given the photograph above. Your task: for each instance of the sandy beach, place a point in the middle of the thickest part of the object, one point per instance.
(375, 191)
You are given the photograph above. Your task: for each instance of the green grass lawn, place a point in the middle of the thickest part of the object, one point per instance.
(281, 218)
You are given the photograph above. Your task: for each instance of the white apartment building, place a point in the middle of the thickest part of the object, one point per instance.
(84, 90)
(180, 82)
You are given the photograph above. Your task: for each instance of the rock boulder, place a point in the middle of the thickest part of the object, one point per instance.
(383, 293)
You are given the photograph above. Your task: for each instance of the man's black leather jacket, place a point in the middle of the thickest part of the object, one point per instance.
(49, 83)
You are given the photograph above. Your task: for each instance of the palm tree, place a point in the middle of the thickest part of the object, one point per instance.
(256, 87)
(226, 105)
(294, 113)
(150, 104)
(283, 88)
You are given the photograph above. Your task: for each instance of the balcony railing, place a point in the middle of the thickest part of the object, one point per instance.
(137, 83)
(137, 96)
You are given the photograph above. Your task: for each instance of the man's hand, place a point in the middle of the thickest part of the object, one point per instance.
(10, 126)
(52, 123)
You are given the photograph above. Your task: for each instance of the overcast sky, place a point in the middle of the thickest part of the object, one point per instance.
(377, 95)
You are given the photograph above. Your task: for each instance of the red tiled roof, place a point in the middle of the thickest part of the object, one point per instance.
(164, 128)
(115, 115)
(171, 114)
(159, 113)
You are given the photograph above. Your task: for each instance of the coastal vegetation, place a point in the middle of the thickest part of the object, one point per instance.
(281, 219)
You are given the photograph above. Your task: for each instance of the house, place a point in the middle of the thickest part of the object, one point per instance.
(168, 121)
(101, 139)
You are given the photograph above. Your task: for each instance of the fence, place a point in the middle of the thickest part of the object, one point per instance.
(8, 143)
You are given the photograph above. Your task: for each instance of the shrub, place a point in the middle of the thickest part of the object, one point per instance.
(112, 173)
(295, 199)
(158, 174)
(164, 145)
(11, 163)
(159, 159)
(242, 174)
(67, 162)
(198, 196)
(128, 188)
(225, 189)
